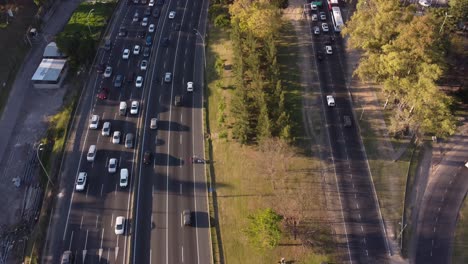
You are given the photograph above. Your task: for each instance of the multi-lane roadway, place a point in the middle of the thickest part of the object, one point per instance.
(158, 192)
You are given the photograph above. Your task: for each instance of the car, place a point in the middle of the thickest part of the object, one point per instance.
(190, 87)
(424, 3)
(165, 42)
(100, 68)
(148, 41)
(330, 100)
(172, 14)
(314, 17)
(147, 156)
(130, 77)
(143, 65)
(129, 140)
(144, 22)
(123, 178)
(325, 27)
(146, 52)
(177, 100)
(313, 6)
(187, 218)
(136, 49)
(103, 93)
(177, 27)
(319, 55)
(126, 54)
(136, 17)
(139, 81)
(328, 49)
(141, 33)
(151, 3)
(108, 72)
(116, 137)
(346, 121)
(81, 181)
(106, 129)
(156, 12)
(154, 123)
(112, 168)
(122, 32)
(94, 122)
(151, 28)
(118, 80)
(316, 30)
(322, 15)
(91, 153)
(67, 257)
(119, 225)
(159, 2)
(147, 11)
(143, 2)
(134, 108)
(167, 77)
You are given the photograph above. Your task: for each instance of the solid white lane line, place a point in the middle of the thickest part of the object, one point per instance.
(87, 190)
(182, 253)
(102, 237)
(112, 220)
(151, 254)
(160, 98)
(434, 229)
(180, 189)
(359, 216)
(181, 117)
(97, 220)
(102, 188)
(180, 139)
(115, 191)
(81, 223)
(357, 205)
(71, 239)
(362, 229)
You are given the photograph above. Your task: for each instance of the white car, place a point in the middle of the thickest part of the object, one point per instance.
(425, 3)
(136, 50)
(112, 165)
(106, 128)
(314, 17)
(108, 72)
(323, 16)
(316, 30)
(134, 108)
(94, 122)
(325, 27)
(81, 181)
(144, 22)
(91, 153)
(116, 137)
(151, 3)
(313, 6)
(123, 178)
(172, 15)
(119, 225)
(328, 49)
(190, 87)
(126, 54)
(139, 81)
(167, 77)
(330, 100)
(143, 65)
(151, 28)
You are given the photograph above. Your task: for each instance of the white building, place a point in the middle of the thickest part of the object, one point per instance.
(50, 73)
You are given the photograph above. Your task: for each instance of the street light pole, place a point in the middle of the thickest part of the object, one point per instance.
(87, 20)
(203, 42)
(42, 165)
(443, 23)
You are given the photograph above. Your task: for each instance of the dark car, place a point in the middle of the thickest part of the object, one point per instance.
(100, 67)
(143, 2)
(160, 2)
(103, 93)
(118, 80)
(141, 33)
(165, 42)
(130, 77)
(135, 1)
(149, 40)
(147, 157)
(177, 27)
(156, 12)
(146, 52)
(319, 55)
(178, 100)
(122, 32)
(147, 11)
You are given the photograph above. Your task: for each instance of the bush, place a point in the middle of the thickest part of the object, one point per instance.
(221, 21)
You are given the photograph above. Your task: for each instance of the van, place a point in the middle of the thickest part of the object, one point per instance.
(107, 44)
(123, 108)
(91, 153)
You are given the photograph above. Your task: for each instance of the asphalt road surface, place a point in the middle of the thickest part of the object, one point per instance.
(366, 237)
(84, 222)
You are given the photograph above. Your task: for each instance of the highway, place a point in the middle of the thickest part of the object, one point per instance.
(364, 228)
(84, 222)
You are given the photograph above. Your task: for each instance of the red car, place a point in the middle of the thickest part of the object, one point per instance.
(103, 93)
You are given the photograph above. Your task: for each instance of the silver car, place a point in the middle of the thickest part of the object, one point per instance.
(167, 77)
(129, 140)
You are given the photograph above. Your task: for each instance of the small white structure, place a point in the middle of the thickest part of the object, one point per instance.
(51, 51)
(50, 73)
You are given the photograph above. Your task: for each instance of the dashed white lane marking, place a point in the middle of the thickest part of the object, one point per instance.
(71, 239)
(438, 209)
(97, 220)
(81, 223)
(182, 254)
(180, 188)
(432, 242)
(436, 219)
(102, 188)
(357, 205)
(355, 196)
(112, 220)
(359, 216)
(443, 198)
(180, 139)
(367, 252)
(450, 181)
(434, 229)
(353, 186)
(362, 229)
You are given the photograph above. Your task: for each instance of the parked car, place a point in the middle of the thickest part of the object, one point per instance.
(106, 129)
(328, 49)
(156, 12)
(129, 140)
(112, 168)
(119, 225)
(123, 178)
(134, 108)
(322, 15)
(116, 137)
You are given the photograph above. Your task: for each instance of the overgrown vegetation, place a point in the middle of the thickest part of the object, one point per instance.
(81, 35)
(405, 53)
(263, 229)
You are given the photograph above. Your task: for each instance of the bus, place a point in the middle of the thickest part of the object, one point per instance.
(337, 19)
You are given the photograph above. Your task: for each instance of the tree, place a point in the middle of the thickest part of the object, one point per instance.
(263, 230)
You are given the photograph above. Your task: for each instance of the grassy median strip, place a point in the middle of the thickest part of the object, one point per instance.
(252, 178)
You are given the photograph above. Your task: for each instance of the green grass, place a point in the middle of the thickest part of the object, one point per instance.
(460, 245)
(245, 181)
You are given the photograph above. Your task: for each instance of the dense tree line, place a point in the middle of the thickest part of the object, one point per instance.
(258, 104)
(405, 53)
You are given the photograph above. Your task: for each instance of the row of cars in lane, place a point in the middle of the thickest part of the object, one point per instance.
(319, 19)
